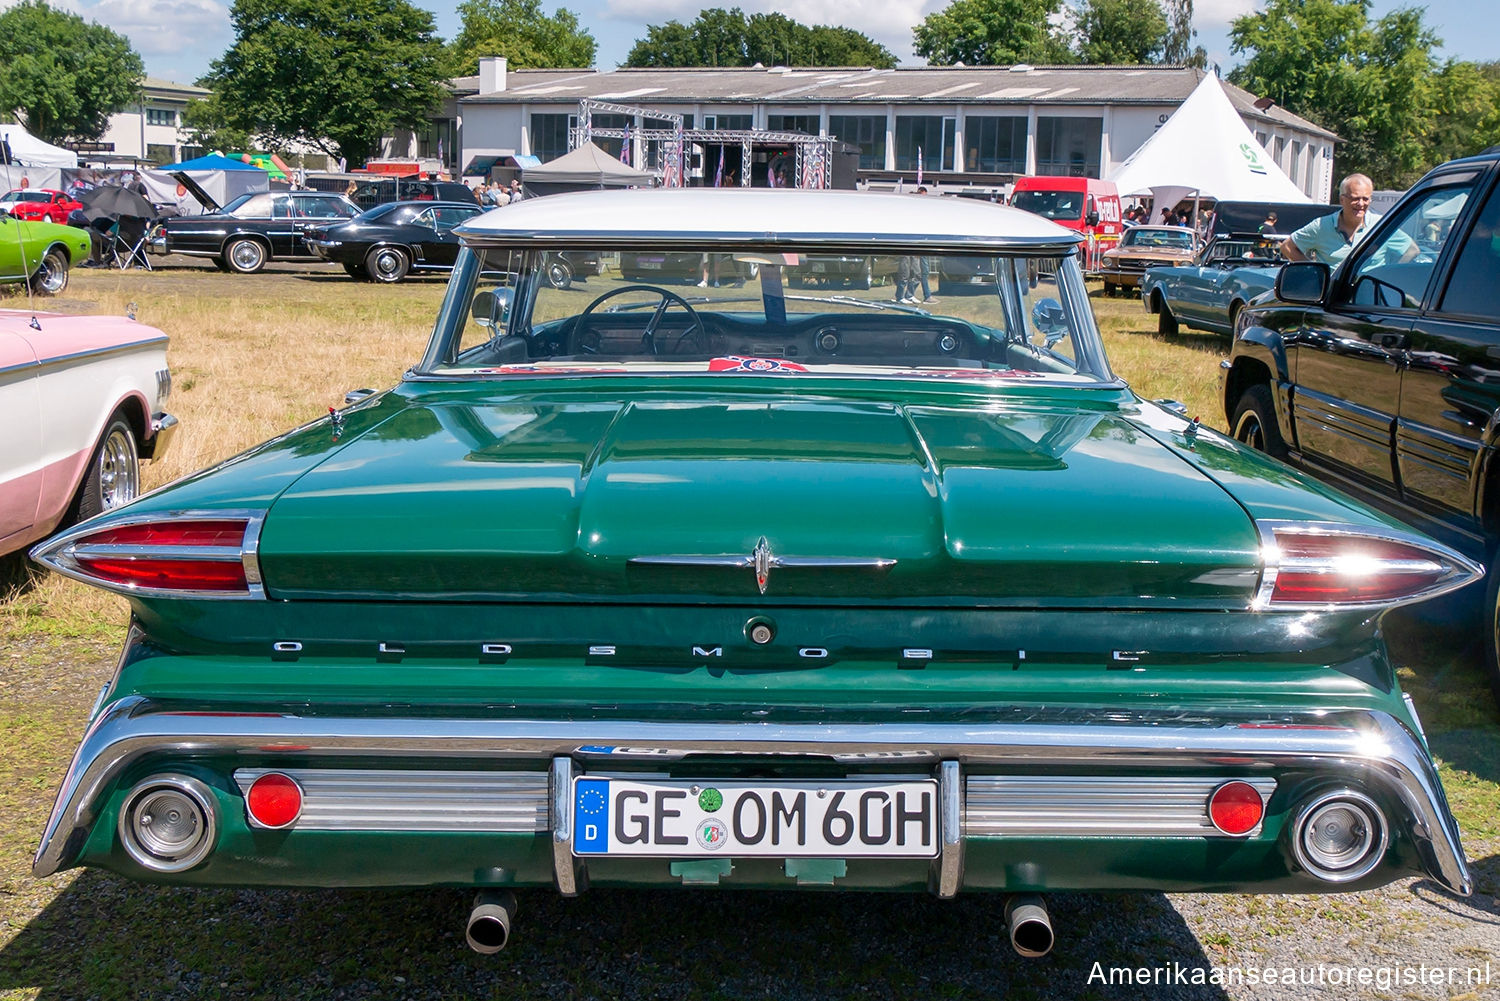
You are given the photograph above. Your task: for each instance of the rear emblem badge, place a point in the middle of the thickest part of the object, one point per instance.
(763, 561)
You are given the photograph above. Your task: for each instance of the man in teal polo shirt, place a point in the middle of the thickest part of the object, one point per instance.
(1330, 238)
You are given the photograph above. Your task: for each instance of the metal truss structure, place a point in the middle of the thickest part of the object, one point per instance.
(664, 151)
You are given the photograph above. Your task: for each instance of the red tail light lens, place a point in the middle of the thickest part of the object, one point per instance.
(274, 800)
(1316, 565)
(1236, 808)
(177, 556)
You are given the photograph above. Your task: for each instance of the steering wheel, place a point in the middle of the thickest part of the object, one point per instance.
(695, 329)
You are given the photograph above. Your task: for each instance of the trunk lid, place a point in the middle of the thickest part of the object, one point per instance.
(668, 500)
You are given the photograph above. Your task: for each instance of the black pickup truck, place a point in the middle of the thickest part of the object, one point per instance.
(1382, 375)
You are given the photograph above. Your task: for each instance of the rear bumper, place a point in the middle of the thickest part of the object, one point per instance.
(163, 430)
(1081, 757)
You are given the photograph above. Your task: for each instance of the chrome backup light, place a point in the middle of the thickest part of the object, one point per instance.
(274, 801)
(168, 823)
(1339, 836)
(206, 554)
(1323, 565)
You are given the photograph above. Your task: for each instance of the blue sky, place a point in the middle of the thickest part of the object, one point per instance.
(178, 38)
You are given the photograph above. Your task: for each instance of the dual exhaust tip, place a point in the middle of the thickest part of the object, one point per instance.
(488, 928)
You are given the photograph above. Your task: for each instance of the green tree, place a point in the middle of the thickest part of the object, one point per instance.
(335, 74)
(719, 37)
(1466, 109)
(993, 33)
(1371, 84)
(1179, 49)
(62, 75)
(1121, 31)
(519, 31)
(205, 124)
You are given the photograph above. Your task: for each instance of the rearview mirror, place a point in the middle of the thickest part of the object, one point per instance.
(1302, 282)
(491, 308)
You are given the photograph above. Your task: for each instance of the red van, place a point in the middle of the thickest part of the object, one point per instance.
(1086, 204)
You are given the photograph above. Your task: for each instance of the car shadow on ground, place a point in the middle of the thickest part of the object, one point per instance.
(18, 576)
(106, 937)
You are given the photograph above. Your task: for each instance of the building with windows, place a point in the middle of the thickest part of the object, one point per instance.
(966, 127)
(151, 130)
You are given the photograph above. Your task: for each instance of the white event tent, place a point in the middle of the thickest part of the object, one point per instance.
(1205, 149)
(27, 150)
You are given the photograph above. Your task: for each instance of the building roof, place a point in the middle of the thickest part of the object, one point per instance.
(948, 85)
(168, 88)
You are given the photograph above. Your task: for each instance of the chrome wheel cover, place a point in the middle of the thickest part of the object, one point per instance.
(119, 470)
(389, 263)
(247, 255)
(51, 280)
(1249, 432)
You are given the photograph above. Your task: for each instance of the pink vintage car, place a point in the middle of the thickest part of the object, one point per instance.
(82, 398)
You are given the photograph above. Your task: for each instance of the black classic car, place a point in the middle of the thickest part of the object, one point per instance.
(389, 241)
(1383, 375)
(253, 229)
(405, 189)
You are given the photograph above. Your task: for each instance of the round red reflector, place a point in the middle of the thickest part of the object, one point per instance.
(1235, 808)
(274, 800)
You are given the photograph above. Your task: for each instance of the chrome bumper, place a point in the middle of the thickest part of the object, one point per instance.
(163, 430)
(1365, 747)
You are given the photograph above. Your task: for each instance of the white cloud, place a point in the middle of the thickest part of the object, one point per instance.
(1215, 15)
(176, 38)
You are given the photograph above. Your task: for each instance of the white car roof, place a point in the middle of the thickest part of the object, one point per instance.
(764, 216)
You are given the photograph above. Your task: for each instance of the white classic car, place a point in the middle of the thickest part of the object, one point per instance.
(82, 400)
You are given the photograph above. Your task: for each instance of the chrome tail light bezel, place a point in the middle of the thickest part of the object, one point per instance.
(202, 800)
(1456, 570)
(62, 553)
(1376, 844)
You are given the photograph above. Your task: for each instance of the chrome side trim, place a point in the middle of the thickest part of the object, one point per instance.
(1367, 748)
(357, 799)
(92, 354)
(1110, 806)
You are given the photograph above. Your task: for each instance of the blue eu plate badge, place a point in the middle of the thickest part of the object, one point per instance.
(591, 816)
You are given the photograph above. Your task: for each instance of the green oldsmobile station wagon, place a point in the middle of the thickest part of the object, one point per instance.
(756, 586)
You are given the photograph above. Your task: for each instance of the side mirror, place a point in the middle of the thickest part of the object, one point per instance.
(1050, 320)
(1092, 219)
(355, 395)
(491, 308)
(1302, 282)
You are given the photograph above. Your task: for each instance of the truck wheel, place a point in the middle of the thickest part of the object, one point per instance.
(1255, 421)
(113, 476)
(1109, 290)
(245, 256)
(51, 276)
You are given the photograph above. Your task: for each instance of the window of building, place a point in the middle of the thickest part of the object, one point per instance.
(161, 153)
(934, 135)
(161, 116)
(995, 144)
(865, 131)
(549, 136)
(727, 123)
(807, 124)
(612, 146)
(1069, 147)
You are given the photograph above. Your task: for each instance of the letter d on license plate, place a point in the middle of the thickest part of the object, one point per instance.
(837, 819)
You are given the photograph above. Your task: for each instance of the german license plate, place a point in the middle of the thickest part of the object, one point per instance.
(834, 819)
(818, 268)
(649, 265)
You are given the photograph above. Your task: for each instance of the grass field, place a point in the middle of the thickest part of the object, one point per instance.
(254, 356)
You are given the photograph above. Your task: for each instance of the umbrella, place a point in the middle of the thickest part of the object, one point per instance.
(114, 200)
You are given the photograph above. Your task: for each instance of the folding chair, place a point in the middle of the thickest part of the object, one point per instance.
(128, 237)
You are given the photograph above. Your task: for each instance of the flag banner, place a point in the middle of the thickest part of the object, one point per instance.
(919, 165)
(625, 147)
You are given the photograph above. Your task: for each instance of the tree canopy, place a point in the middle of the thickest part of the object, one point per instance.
(519, 31)
(1371, 84)
(993, 33)
(62, 75)
(1121, 31)
(334, 74)
(719, 37)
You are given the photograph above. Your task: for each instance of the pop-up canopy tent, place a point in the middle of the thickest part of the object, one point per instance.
(1204, 149)
(585, 169)
(26, 150)
(212, 181)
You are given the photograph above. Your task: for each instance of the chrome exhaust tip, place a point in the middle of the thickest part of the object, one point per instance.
(488, 928)
(1030, 926)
